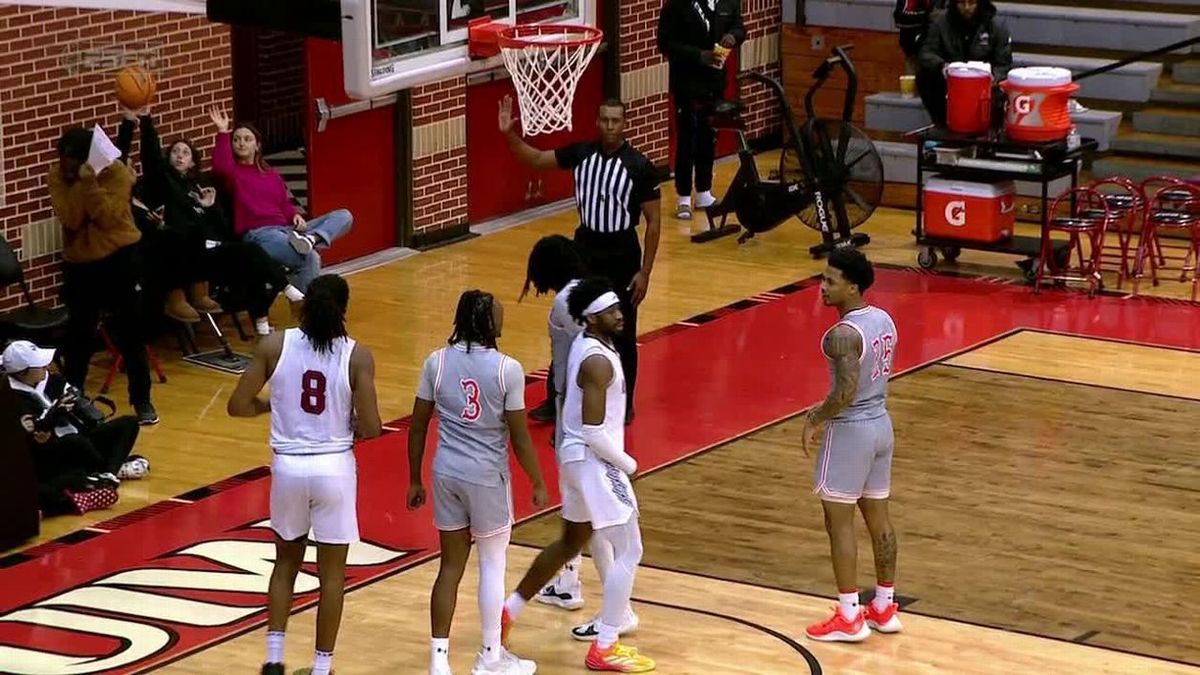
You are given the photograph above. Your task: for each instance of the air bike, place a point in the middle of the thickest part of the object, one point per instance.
(830, 174)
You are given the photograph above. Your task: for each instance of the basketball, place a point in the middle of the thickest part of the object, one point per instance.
(135, 87)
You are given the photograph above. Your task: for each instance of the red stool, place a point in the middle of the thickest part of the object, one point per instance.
(118, 361)
(1174, 207)
(1079, 213)
(1127, 208)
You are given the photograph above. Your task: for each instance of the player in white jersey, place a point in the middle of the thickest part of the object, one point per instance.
(854, 466)
(479, 396)
(322, 397)
(555, 265)
(594, 469)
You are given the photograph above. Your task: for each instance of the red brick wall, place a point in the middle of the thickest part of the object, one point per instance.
(762, 18)
(647, 122)
(52, 76)
(439, 180)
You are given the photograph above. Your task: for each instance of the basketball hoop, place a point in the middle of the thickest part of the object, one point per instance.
(546, 62)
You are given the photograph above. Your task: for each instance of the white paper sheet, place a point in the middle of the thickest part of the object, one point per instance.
(102, 152)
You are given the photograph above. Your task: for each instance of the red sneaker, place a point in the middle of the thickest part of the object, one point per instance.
(885, 620)
(838, 629)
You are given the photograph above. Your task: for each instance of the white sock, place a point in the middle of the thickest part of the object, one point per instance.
(848, 604)
(322, 662)
(275, 646)
(685, 201)
(292, 293)
(606, 635)
(569, 577)
(439, 650)
(492, 558)
(514, 605)
(262, 326)
(884, 596)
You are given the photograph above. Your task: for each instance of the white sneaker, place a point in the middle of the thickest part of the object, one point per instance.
(567, 597)
(683, 210)
(303, 243)
(587, 632)
(508, 664)
(442, 668)
(705, 199)
(134, 469)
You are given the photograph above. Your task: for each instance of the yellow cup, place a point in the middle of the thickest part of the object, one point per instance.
(908, 86)
(721, 53)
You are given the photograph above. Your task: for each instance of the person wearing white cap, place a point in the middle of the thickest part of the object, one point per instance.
(63, 440)
(594, 469)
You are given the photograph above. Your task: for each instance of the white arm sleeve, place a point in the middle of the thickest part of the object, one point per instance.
(607, 449)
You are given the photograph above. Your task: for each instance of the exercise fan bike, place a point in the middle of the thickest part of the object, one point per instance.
(830, 174)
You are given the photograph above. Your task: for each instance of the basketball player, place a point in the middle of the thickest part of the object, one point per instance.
(854, 466)
(322, 397)
(479, 395)
(594, 470)
(555, 265)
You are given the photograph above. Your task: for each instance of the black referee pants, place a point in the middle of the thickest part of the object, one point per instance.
(618, 257)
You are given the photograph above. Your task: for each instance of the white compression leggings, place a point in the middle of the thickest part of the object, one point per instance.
(493, 553)
(625, 543)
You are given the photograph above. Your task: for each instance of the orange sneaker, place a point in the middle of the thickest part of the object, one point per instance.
(618, 658)
(885, 620)
(506, 624)
(838, 629)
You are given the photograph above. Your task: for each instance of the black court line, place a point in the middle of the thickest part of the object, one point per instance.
(1063, 380)
(1086, 636)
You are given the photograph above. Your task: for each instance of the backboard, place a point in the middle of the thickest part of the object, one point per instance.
(390, 45)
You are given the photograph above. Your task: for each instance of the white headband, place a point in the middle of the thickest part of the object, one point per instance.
(601, 303)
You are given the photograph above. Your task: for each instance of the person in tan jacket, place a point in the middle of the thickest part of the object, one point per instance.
(102, 270)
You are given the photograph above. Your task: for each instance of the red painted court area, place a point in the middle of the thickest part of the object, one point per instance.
(155, 585)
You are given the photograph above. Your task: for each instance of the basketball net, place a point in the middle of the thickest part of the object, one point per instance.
(546, 63)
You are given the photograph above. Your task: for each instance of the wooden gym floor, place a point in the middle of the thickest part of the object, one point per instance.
(1044, 490)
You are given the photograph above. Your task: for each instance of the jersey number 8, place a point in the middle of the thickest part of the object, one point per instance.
(312, 392)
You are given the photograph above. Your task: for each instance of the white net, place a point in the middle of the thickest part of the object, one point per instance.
(546, 63)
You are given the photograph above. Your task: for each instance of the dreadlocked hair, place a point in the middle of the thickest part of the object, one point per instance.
(474, 322)
(553, 263)
(323, 314)
(583, 294)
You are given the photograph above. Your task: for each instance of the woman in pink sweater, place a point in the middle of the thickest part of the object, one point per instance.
(263, 212)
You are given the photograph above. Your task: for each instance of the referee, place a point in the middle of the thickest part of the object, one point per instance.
(614, 186)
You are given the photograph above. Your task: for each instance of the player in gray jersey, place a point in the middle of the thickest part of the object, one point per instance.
(479, 396)
(854, 465)
(555, 265)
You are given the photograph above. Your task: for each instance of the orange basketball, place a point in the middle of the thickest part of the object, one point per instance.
(135, 87)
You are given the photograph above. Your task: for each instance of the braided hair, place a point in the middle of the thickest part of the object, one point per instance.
(474, 320)
(323, 314)
(553, 263)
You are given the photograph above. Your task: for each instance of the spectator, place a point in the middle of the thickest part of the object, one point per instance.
(912, 20)
(689, 32)
(967, 31)
(64, 441)
(194, 235)
(263, 212)
(102, 269)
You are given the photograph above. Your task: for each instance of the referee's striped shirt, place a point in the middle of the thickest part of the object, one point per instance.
(609, 188)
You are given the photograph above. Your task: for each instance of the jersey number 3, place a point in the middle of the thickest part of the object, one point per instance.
(471, 411)
(312, 392)
(882, 347)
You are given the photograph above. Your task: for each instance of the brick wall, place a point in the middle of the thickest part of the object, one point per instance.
(282, 90)
(439, 156)
(57, 71)
(761, 53)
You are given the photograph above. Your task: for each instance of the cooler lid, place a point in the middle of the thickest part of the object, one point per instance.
(1039, 76)
(969, 69)
(962, 188)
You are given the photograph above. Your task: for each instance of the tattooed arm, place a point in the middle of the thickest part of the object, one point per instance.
(844, 345)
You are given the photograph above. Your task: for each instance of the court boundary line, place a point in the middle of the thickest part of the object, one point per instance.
(1059, 380)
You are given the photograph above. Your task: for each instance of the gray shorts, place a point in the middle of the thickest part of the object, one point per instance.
(855, 461)
(458, 504)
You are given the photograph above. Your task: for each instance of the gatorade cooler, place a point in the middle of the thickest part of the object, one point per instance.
(1038, 104)
(969, 97)
(984, 212)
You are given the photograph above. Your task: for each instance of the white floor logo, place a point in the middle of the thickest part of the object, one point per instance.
(146, 622)
(956, 213)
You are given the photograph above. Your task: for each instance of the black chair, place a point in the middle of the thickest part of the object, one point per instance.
(30, 321)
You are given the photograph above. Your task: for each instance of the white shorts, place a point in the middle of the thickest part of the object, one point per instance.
(596, 492)
(315, 494)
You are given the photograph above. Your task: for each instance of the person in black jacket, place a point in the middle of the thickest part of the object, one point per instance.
(912, 19)
(191, 236)
(967, 31)
(695, 36)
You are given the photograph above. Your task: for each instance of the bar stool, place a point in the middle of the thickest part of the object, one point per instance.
(1174, 207)
(1079, 213)
(118, 361)
(1127, 208)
